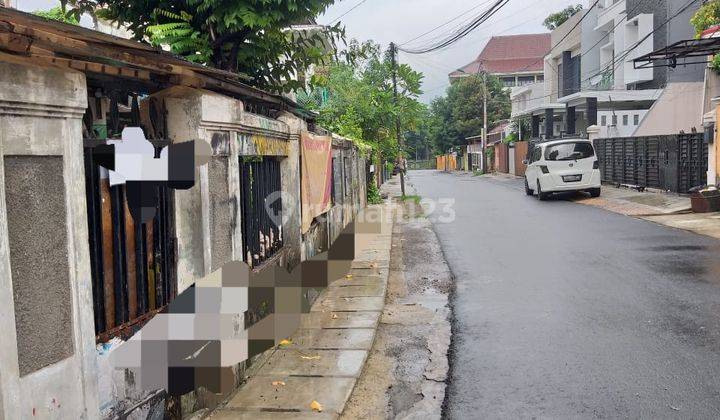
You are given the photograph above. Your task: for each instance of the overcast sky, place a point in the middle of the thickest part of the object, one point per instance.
(401, 20)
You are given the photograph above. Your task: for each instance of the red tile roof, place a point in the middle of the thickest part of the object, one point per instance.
(510, 54)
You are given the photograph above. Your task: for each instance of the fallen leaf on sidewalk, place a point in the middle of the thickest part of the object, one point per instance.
(316, 357)
(278, 383)
(316, 406)
(334, 316)
(348, 276)
(285, 342)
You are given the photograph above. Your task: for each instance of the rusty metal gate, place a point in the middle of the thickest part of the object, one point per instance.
(672, 163)
(133, 266)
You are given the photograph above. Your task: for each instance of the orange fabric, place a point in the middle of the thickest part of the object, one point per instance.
(316, 181)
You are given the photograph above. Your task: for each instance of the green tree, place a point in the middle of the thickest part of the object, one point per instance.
(521, 127)
(553, 21)
(443, 133)
(57, 13)
(360, 103)
(253, 37)
(708, 15)
(459, 114)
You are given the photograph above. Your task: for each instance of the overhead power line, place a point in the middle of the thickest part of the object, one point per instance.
(460, 33)
(447, 23)
(360, 3)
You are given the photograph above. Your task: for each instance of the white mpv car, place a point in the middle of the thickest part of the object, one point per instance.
(560, 166)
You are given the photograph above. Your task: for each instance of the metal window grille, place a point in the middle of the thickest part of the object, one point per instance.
(261, 207)
(132, 266)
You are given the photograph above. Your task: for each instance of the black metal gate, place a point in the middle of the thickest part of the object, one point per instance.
(261, 206)
(132, 265)
(672, 163)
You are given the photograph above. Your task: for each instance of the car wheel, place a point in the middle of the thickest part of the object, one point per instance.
(595, 192)
(542, 196)
(528, 191)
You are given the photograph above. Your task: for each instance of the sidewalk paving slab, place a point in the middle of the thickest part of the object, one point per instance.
(337, 320)
(268, 415)
(357, 290)
(333, 339)
(350, 304)
(327, 354)
(297, 394)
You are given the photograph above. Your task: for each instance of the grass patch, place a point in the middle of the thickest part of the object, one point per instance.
(415, 198)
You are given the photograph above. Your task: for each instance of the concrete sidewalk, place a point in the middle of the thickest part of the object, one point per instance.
(323, 360)
(624, 200)
(666, 209)
(634, 203)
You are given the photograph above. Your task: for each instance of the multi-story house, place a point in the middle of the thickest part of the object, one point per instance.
(590, 78)
(515, 59)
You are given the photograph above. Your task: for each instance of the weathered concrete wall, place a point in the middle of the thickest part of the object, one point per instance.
(66, 375)
(349, 197)
(49, 372)
(36, 218)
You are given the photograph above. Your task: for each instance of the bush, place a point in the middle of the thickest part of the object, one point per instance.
(373, 194)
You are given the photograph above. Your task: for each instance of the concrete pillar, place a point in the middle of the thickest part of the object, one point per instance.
(570, 121)
(567, 75)
(47, 354)
(593, 132)
(592, 111)
(535, 126)
(549, 123)
(208, 216)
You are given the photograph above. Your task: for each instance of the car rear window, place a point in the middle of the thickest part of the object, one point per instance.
(569, 151)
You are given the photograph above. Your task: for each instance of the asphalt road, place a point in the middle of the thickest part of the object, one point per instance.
(570, 311)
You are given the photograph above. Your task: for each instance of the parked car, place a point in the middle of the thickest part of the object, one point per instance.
(561, 166)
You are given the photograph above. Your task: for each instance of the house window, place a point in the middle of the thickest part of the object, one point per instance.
(525, 80)
(614, 120)
(540, 78)
(508, 81)
(626, 118)
(636, 119)
(261, 207)
(603, 120)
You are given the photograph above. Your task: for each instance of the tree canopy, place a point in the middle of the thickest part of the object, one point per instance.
(355, 99)
(57, 13)
(708, 15)
(553, 21)
(254, 37)
(459, 114)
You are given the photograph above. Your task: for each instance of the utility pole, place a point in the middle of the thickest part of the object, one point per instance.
(401, 143)
(485, 116)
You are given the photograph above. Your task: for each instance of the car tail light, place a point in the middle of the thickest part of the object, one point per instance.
(544, 169)
(596, 164)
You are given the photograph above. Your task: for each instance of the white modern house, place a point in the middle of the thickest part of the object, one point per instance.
(590, 77)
